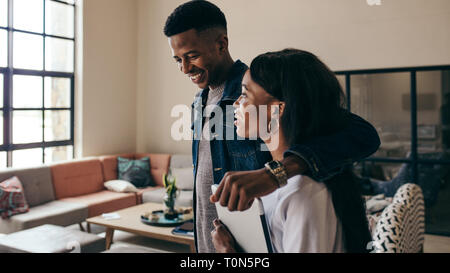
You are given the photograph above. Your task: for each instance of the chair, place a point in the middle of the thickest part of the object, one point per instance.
(431, 177)
(401, 227)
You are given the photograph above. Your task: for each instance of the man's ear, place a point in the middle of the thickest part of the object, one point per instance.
(222, 42)
(282, 106)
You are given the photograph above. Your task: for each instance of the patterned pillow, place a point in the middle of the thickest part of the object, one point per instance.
(12, 198)
(135, 171)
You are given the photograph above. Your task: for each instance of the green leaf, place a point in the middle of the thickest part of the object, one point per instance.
(165, 180)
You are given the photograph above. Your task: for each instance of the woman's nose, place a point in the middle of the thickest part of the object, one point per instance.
(236, 103)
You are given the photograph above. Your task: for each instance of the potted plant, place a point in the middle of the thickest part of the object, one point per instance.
(170, 196)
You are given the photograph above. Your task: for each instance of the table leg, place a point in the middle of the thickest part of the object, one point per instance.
(81, 226)
(192, 248)
(109, 237)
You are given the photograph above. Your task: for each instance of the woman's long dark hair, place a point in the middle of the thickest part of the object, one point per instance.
(314, 107)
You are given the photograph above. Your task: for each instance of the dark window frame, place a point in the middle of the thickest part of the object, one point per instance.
(8, 73)
(414, 160)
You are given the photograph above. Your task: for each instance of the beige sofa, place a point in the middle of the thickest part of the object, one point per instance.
(44, 208)
(69, 192)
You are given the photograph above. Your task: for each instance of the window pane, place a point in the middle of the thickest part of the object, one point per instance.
(27, 158)
(383, 172)
(27, 91)
(380, 99)
(341, 79)
(28, 50)
(27, 126)
(55, 154)
(3, 48)
(1, 90)
(2, 160)
(59, 19)
(58, 55)
(434, 181)
(29, 15)
(1, 127)
(57, 92)
(4, 13)
(57, 125)
(433, 111)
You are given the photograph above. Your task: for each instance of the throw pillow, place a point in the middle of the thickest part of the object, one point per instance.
(120, 186)
(135, 171)
(185, 178)
(12, 198)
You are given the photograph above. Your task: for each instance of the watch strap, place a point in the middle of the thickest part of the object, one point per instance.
(277, 169)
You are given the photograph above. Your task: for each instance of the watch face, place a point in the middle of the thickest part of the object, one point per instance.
(273, 164)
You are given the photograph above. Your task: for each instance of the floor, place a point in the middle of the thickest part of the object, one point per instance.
(436, 244)
(433, 243)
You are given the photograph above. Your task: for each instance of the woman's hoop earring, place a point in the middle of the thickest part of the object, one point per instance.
(273, 127)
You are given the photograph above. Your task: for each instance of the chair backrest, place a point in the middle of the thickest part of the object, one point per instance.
(412, 196)
(401, 226)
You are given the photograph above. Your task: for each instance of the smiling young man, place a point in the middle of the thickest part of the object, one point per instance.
(197, 34)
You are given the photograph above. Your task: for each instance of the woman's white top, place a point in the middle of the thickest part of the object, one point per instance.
(301, 218)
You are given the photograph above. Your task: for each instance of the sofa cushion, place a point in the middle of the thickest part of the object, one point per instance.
(76, 178)
(55, 212)
(36, 182)
(140, 193)
(156, 196)
(159, 165)
(120, 186)
(185, 178)
(104, 201)
(12, 198)
(135, 171)
(109, 165)
(181, 161)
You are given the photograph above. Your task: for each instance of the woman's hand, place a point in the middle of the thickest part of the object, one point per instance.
(222, 239)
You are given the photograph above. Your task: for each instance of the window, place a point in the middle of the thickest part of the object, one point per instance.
(37, 51)
(410, 108)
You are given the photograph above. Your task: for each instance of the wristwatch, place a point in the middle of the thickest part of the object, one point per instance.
(277, 169)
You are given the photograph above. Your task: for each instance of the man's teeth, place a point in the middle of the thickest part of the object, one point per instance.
(195, 77)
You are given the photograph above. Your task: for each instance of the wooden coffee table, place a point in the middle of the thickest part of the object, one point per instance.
(130, 221)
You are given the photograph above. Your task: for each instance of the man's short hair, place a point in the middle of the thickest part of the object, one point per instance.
(197, 14)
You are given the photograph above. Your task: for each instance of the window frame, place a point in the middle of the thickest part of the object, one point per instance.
(414, 160)
(8, 73)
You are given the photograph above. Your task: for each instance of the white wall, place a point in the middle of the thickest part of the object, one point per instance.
(345, 34)
(106, 100)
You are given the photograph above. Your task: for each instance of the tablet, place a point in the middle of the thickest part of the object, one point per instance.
(249, 227)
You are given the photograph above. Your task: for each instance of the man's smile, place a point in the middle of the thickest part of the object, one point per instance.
(196, 77)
